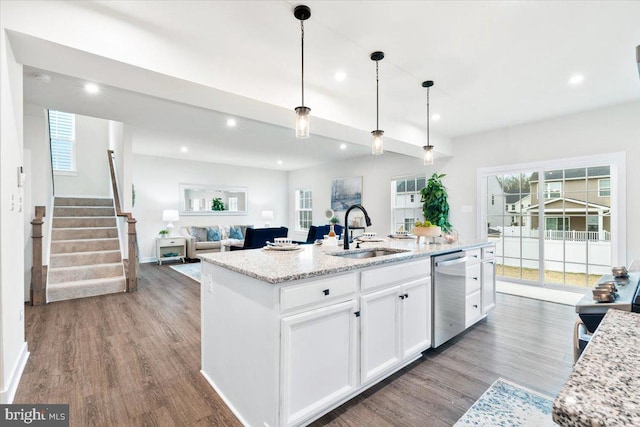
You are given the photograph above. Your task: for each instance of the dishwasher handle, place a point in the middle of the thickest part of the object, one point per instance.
(452, 261)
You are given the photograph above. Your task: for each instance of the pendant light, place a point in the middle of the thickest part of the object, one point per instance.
(428, 149)
(302, 13)
(377, 143)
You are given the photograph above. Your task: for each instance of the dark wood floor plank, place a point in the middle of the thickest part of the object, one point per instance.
(134, 360)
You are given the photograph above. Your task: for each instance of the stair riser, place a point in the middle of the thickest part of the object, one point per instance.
(84, 273)
(100, 233)
(88, 290)
(81, 258)
(82, 211)
(78, 201)
(83, 222)
(58, 247)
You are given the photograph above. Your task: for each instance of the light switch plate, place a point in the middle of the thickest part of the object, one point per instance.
(467, 209)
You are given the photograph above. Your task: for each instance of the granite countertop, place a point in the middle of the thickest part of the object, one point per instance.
(313, 260)
(604, 386)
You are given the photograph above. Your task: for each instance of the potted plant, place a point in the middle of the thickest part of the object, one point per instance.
(435, 208)
(217, 204)
(163, 233)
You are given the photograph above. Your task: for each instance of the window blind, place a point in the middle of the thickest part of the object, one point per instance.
(62, 134)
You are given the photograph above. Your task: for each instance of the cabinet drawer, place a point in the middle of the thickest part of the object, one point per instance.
(473, 278)
(473, 309)
(317, 292)
(473, 255)
(381, 276)
(171, 241)
(488, 252)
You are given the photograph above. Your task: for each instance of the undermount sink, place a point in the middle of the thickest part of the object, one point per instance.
(369, 253)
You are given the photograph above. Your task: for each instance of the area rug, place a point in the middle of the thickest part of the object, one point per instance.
(191, 270)
(507, 404)
(539, 293)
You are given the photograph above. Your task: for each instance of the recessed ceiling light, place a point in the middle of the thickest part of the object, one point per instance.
(184, 149)
(343, 146)
(576, 79)
(231, 122)
(340, 76)
(44, 78)
(91, 88)
(279, 162)
(435, 117)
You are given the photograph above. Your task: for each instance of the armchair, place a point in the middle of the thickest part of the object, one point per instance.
(255, 238)
(319, 231)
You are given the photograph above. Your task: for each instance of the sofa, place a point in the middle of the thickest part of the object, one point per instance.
(256, 238)
(212, 238)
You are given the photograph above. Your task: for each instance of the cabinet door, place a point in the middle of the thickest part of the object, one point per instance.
(416, 316)
(379, 332)
(488, 286)
(318, 360)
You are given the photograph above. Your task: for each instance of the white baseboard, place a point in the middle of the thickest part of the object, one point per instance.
(147, 260)
(7, 395)
(224, 399)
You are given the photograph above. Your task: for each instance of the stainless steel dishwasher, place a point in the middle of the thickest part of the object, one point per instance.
(449, 281)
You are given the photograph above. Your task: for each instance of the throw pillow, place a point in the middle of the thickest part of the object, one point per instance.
(213, 235)
(200, 233)
(235, 233)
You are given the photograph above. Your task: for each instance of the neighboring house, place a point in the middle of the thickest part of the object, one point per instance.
(495, 204)
(575, 201)
(516, 205)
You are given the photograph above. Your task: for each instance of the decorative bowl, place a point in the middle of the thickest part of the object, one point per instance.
(433, 231)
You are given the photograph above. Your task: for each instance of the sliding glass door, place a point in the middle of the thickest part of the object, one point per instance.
(554, 225)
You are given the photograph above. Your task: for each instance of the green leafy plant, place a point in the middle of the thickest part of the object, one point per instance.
(334, 220)
(163, 233)
(217, 204)
(435, 206)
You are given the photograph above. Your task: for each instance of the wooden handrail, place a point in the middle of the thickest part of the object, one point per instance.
(131, 263)
(38, 276)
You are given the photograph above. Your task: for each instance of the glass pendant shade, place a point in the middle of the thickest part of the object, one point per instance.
(428, 155)
(377, 142)
(302, 122)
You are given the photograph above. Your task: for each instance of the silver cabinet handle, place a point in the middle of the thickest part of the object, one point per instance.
(452, 262)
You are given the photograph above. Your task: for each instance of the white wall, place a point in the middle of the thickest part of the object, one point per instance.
(13, 348)
(93, 178)
(157, 179)
(608, 130)
(377, 173)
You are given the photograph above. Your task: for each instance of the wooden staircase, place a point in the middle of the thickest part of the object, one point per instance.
(85, 252)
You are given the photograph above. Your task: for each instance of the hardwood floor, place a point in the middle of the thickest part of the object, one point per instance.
(134, 359)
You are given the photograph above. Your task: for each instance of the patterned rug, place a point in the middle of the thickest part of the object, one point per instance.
(506, 404)
(191, 270)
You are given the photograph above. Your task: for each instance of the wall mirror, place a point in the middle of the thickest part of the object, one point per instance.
(201, 199)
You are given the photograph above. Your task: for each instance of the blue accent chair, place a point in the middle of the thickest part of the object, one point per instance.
(319, 231)
(256, 238)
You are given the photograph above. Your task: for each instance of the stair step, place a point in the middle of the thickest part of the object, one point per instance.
(84, 233)
(84, 288)
(69, 246)
(84, 272)
(82, 201)
(84, 258)
(74, 211)
(97, 221)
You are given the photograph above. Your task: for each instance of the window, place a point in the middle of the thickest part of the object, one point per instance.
(304, 215)
(604, 187)
(552, 190)
(233, 204)
(556, 224)
(62, 134)
(406, 201)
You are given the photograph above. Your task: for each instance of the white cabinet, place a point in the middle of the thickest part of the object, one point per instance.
(318, 359)
(171, 248)
(395, 325)
(488, 285)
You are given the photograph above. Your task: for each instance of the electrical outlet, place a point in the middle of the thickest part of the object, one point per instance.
(467, 209)
(12, 202)
(208, 279)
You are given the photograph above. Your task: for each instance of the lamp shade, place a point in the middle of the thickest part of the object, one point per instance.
(170, 215)
(267, 215)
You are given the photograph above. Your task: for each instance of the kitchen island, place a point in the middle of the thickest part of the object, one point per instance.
(604, 387)
(288, 336)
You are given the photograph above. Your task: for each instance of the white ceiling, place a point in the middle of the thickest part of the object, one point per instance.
(495, 64)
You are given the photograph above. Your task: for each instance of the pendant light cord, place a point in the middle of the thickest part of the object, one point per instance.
(302, 44)
(377, 98)
(428, 144)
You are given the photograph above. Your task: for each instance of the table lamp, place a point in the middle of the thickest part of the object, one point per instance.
(267, 216)
(170, 215)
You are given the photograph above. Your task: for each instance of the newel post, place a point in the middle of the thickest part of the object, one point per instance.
(38, 288)
(132, 278)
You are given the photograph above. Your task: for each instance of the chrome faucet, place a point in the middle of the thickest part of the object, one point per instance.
(345, 238)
